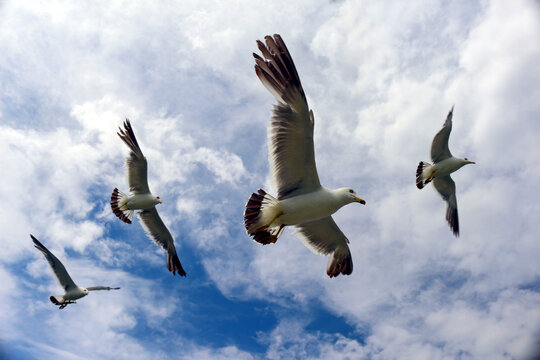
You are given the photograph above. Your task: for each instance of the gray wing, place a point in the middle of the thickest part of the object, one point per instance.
(59, 270)
(94, 288)
(157, 231)
(446, 187)
(292, 156)
(322, 236)
(439, 146)
(136, 166)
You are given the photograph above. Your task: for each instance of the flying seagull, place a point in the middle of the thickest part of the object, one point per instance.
(439, 172)
(301, 200)
(142, 199)
(73, 292)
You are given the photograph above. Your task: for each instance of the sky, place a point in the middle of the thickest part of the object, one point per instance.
(380, 78)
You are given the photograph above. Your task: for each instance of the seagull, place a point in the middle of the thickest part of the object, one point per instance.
(73, 292)
(123, 206)
(301, 200)
(439, 172)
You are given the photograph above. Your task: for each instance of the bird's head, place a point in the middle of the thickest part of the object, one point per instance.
(467, 161)
(85, 291)
(157, 200)
(350, 195)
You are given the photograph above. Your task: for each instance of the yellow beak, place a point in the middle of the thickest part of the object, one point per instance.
(159, 201)
(361, 201)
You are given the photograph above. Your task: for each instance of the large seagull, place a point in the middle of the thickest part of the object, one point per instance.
(439, 172)
(142, 199)
(72, 291)
(301, 200)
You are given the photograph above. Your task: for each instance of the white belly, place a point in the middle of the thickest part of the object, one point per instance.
(446, 167)
(304, 208)
(140, 201)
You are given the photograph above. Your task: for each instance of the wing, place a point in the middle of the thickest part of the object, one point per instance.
(446, 187)
(292, 156)
(439, 146)
(59, 270)
(136, 166)
(94, 288)
(157, 231)
(322, 236)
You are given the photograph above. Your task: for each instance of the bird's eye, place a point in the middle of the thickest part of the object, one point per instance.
(351, 191)
(466, 159)
(157, 197)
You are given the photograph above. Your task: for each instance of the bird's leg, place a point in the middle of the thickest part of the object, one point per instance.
(270, 223)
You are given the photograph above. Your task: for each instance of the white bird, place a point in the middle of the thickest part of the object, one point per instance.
(301, 200)
(73, 292)
(439, 172)
(142, 199)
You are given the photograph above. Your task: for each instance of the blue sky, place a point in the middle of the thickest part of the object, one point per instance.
(380, 78)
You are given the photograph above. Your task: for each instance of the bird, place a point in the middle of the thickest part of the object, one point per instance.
(72, 291)
(439, 172)
(301, 201)
(123, 206)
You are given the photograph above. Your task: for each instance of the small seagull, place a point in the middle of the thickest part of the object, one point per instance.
(301, 200)
(73, 292)
(123, 206)
(439, 172)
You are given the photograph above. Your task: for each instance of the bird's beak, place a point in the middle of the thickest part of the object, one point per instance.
(471, 162)
(159, 201)
(361, 201)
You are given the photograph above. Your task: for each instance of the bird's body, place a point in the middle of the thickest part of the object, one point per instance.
(72, 291)
(439, 172)
(124, 206)
(311, 206)
(301, 200)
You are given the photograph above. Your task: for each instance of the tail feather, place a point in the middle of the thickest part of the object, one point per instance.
(421, 177)
(119, 207)
(261, 210)
(340, 262)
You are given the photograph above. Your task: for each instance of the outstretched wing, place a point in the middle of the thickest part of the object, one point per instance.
(59, 270)
(136, 166)
(324, 237)
(446, 187)
(95, 288)
(439, 146)
(157, 231)
(292, 156)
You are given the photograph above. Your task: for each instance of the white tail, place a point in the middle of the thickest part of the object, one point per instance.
(261, 211)
(119, 206)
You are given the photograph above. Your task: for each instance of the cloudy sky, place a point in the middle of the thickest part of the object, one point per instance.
(380, 78)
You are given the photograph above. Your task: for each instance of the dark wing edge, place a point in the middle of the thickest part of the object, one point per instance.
(157, 231)
(95, 288)
(439, 145)
(136, 164)
(56, 265)
(324, 237)
(446, 188)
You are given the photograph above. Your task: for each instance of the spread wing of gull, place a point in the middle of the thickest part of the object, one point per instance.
(58, 268)
(136, 165)
(94, 288)
(446, 187)
(323, 236)
(157, 231)
(291, 151)
(292, 154)
(439, 146)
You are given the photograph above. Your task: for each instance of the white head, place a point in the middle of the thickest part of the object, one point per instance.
(349, 196)
(157, 200)
(467, 161)
(84, 290)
